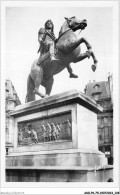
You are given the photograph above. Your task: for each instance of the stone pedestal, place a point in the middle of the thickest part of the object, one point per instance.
(55, 139)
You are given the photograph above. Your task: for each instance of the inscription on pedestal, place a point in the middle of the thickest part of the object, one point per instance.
(48, 129)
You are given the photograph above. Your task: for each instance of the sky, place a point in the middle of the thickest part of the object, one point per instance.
(22, 24)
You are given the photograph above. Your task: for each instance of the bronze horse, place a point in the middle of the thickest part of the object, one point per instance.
(68, 50)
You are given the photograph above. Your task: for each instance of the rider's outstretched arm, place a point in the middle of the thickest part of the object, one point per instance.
(41, 35)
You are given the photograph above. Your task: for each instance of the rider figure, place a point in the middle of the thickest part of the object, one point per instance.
(47, 41)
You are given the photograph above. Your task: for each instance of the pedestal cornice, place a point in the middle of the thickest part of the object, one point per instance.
(62, 99)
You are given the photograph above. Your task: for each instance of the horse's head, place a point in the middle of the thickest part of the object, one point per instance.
(75, 24)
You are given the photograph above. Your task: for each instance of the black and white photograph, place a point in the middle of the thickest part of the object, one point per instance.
(60, 97)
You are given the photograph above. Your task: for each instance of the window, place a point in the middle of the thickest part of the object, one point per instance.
(105, 105)
(10, 105)
(100, 140)
(102, 120)
(100, 136)
(96, 96)
(102, 149)
(99, 121)
(109, 104)
(110, 135)
(15, 96)
(102, 104)
(105, 119)
(106, 134)
(96, 87)
(6, 151)
(111, 121)
(6, 129)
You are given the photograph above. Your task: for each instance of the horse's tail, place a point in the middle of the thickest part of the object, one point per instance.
(30, 88)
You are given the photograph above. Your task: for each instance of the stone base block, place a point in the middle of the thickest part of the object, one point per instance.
(69, 157)
(57, 174)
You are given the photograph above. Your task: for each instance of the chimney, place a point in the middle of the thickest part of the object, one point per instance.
(109, 77)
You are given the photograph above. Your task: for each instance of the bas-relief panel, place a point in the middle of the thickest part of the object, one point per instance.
(53, 128)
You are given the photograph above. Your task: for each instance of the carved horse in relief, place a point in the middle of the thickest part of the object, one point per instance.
(68, 51)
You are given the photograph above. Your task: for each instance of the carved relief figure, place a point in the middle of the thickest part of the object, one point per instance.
(32, 133)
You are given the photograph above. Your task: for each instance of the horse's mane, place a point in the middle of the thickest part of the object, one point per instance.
(62, 29)
(64, 26)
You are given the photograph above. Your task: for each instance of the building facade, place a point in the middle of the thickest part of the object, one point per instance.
(11, 101)
(102, 93)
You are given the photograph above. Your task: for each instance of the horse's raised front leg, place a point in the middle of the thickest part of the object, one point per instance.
(89, 47)
(94, 66)
(73, 46)
(82, 56)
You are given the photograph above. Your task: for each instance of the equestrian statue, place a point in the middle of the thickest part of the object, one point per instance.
(56, 55)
